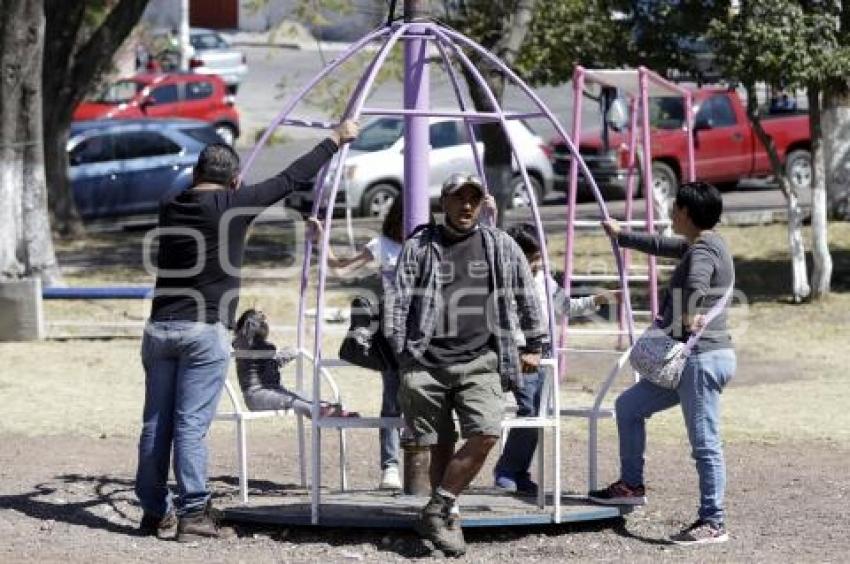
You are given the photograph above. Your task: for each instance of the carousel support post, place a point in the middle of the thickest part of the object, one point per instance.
(416, 198)
(416, 97)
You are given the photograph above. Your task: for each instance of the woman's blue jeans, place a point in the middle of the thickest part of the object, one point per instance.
(703, 380)
(185, 367)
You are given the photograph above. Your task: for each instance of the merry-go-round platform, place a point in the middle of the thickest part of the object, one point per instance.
(480, 507)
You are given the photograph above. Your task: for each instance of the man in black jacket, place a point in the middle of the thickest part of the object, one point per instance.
(185, 349)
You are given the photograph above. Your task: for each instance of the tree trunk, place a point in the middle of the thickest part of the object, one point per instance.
(497, 148)
(66, 218)
(835, 122)
(799, 277)
(26, 247)
(12, 55)
(71, 66)
(822, 261)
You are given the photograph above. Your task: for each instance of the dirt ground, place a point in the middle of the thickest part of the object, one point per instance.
(71, 416)
(70, 498)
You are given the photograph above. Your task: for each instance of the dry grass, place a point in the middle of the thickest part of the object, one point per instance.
(792, 380)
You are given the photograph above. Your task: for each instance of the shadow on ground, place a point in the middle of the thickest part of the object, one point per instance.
(104, 494)
(769, 280)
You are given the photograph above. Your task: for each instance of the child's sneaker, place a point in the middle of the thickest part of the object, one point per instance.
(619, 493)
(701, 532)
(390, 479)
(505, 483)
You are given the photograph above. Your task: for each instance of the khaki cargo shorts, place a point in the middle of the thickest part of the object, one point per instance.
(429, 396)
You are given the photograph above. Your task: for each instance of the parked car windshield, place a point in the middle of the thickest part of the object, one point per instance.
(205, 135)
(379, 135)
(119, 92)
(666, 112)
(204, 41)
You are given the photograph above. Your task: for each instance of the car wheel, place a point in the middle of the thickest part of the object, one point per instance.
(664, 181)
(377, 200)
(226, 132)
(519, 195)
(798, 167)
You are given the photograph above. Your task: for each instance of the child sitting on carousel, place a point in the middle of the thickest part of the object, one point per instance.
(258, 364)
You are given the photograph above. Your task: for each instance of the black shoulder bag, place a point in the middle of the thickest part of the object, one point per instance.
(365, 344)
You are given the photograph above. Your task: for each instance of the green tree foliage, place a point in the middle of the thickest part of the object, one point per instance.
(562, 33)
(800, 45)
(782, 42)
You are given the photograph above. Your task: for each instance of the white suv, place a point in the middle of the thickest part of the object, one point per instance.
(374, 170)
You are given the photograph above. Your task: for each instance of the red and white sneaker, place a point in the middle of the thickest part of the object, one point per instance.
(619, 493)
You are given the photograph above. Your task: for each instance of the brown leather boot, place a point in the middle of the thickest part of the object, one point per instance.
(162, 527)
(204, 524)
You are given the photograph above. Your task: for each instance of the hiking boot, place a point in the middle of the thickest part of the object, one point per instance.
(701, 532)
(161, 527)
(438, 526)
(619, 493)
(390, 479)
(203, 524)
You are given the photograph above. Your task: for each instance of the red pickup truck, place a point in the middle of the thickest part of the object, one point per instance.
(726, 147)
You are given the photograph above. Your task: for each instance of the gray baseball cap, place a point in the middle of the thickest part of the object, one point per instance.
(457, 181)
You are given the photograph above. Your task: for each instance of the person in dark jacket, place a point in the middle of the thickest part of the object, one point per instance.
(185, 348)
(258, 364)
(461, 293)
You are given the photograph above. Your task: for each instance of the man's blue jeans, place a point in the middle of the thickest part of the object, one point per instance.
(185, 367)
(521, 444)
(390, 407)
(703, 380)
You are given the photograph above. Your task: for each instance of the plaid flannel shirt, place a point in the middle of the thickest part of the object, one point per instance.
(414, 299)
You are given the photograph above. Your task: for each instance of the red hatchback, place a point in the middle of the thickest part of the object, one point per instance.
(181, 95)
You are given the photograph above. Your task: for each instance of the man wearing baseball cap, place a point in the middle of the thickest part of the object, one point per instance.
(461, 289)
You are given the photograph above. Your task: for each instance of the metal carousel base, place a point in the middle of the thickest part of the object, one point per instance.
(393, 510)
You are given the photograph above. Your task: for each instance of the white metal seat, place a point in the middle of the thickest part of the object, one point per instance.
(239, 414)
(596, 412)
(546, 420)
(342, 423)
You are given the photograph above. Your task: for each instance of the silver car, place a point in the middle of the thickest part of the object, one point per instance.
(373, 172)
(212, 54)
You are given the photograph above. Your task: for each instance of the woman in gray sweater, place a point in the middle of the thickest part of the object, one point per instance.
(704, 272)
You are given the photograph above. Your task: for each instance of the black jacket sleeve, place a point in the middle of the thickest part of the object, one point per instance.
(272, 190)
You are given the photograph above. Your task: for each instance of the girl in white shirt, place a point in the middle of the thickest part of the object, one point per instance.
(382, 251)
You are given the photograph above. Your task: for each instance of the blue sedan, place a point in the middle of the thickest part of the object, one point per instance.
(125, 167)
